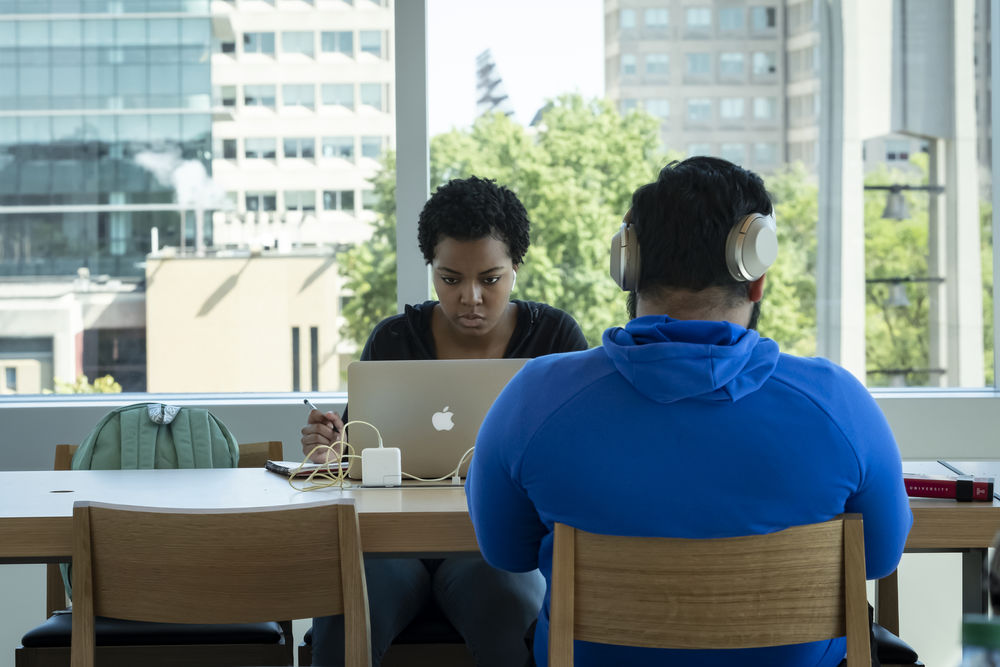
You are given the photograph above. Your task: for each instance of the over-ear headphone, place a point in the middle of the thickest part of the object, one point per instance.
(514, 281)
(751, 248)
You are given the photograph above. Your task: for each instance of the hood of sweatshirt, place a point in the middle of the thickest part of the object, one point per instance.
(669, 360)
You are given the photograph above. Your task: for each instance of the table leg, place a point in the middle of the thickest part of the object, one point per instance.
(887, 602)
(975, 597)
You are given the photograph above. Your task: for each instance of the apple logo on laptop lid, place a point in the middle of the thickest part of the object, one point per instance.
(442, 420)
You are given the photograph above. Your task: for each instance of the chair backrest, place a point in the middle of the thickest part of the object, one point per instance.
(218, 566)
(801, 584)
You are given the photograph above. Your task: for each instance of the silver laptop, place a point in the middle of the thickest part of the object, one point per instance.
(431, 410)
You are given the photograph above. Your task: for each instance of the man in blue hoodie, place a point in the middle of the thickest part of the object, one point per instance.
(713, 432)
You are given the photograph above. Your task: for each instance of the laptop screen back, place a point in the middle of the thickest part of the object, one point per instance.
(430, 409)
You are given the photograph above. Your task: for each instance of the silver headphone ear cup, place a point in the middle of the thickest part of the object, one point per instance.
(625, 258)
(751, 247)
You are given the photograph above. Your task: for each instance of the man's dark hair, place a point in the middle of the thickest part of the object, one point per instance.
(683, 219)
(470, 209)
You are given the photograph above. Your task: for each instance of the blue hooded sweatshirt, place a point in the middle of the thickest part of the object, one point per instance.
(678, 428)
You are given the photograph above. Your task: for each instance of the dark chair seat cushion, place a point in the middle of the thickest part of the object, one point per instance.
(57, 630)
(429, 626)
(891, 649)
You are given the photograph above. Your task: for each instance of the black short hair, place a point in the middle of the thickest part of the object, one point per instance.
(472, 208)
(683, 218)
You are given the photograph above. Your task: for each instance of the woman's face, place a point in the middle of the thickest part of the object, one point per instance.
(473, 280)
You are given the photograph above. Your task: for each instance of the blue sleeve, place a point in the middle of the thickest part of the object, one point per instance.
(508, 528)
(881, 497)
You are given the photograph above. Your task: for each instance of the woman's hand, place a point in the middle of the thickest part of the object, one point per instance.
(322, 429)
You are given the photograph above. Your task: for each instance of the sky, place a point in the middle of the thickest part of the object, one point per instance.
(541, 48)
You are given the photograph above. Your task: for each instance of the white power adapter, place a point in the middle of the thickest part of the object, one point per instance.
(380, 466)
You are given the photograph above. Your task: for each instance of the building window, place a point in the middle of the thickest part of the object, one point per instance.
(897, 149)
(735, 153)
(338, 200)
(698, 18)
(262, 201)
(373, 95)
(297, 42)
(764, 108)
(699, 149)
(763, 18)
(368, 200)
(731, 64)
(300, 200)
(659, 107)
(259, 148)
(338, 147)
(628, 105)
(627, 18)
(301, 95)
(258, 42)
(371, 147)
(628, 64)
(10, 378)
(698, 64)
(259, 96)
(765, 153)
(656, 18)
(229, 149)
(764, 62)
(227, 47)
(338, 95)
(371, 42)
(731, 18)
(228, 95)
(699, 109)
(341, 41)
(300, 147)
(657, 64)
(731, 107)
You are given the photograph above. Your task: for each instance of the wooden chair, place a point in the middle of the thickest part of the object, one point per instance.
(802, 584)
(252, 455)
(177, 566)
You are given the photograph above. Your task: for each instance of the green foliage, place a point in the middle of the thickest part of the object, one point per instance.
(101, 385)
(986, 239)
(575, 174)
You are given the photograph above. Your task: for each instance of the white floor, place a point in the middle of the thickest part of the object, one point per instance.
(929, 607)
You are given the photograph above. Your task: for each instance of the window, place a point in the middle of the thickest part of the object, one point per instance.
(699, 148)
(338, 42)
(698, 18)
(764, 108)
(731, 64)
(897, 149)
(735, 153)
(628, 105)
(258, 42)
(699, 109)
(300, 147)
(656, 18)
(300, 200)
(627, 19)
(763, 18)
(368, 200)
(658, 107)
(229, 149)
(373, 95)
(731, 108)
(338, 147)
(371, 42)
(698, 64)
(259, 96)
(731, 18)
(338, 94)
(297, 42)
(302, 95)
(228, 95)
(338, 200)
(765, 153)
(10, 378)
(227, 47)
(628, 64)
(371, 147)
(262, 201)
(764, 62)
(259, 148)
(657, 64)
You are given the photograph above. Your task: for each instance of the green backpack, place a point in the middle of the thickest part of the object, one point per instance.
(153, 435)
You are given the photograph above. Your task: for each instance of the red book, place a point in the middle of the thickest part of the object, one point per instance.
(959, 487)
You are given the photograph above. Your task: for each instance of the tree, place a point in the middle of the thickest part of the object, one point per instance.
(574, 172)
(102, 385)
